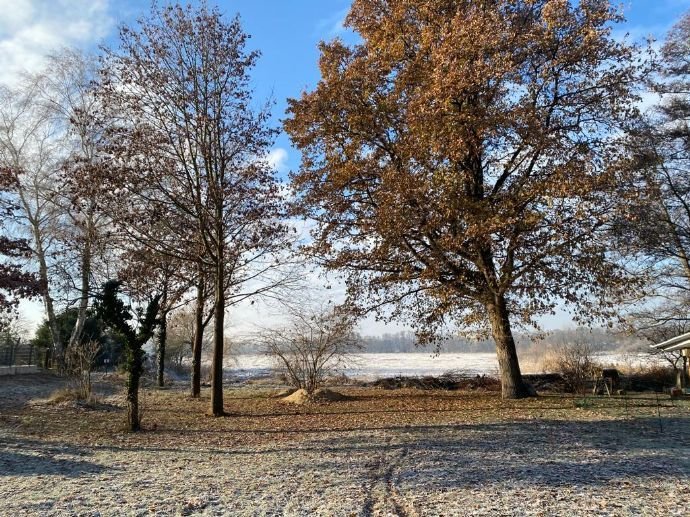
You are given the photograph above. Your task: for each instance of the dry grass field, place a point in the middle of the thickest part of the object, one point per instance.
(381, 452)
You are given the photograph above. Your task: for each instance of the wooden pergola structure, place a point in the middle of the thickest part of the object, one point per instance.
(678, 344)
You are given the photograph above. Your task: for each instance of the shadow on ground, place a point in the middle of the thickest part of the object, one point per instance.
(34, 458)
(432, 457)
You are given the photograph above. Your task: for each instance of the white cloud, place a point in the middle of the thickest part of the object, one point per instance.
(30, 29)
(15, 13)
(278, 159)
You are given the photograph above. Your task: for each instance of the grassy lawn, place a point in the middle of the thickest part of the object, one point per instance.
(382, 452)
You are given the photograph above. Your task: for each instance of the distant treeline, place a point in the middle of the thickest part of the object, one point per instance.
(407, 342)
(598, 339)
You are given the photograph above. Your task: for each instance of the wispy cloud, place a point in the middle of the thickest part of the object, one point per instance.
(333, 25)
(30, 29)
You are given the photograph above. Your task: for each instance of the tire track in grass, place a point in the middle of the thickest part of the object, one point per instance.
(384, 496)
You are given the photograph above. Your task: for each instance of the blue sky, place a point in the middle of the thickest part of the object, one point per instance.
(287, 33)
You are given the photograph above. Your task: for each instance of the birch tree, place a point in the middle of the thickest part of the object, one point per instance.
(30, 150)
(65, 89)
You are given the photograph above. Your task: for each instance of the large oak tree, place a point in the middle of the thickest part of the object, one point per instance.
(455, 161)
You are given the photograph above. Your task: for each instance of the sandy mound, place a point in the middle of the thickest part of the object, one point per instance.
(320, 395)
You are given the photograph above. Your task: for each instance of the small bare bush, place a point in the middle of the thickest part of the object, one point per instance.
(576, 364)
(316, 344)
(79, 363)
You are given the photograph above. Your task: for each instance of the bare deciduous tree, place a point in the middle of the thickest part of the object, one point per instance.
(193, 180)
(655, 225)
(30, 150)
(48, 137)
(65, 89)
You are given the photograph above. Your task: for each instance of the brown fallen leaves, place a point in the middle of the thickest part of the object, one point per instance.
(255, 417)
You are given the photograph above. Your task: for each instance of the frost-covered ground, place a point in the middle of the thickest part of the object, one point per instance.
(374, 366)
(380, 453)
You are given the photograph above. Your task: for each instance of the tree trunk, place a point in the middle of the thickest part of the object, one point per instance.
(59, 355)
(135, 369)
(512, 385)
(198, 337)
(85, 282)
(218, 339)
(162, 332)
(162, 337)
(75, 337)
(46, 359)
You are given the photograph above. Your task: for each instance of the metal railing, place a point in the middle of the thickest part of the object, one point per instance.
(21, 354)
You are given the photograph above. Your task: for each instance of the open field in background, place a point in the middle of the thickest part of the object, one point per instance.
(382, 452)
(370, 366)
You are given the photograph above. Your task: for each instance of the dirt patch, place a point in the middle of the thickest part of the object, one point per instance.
(281, 394)
(551, 382)
(451, 381)
(67, 399)
(459, 381)
(319, 396)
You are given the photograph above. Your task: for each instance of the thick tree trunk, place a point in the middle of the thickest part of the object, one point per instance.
(512, 385)
(218, 340)
(198, 337)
